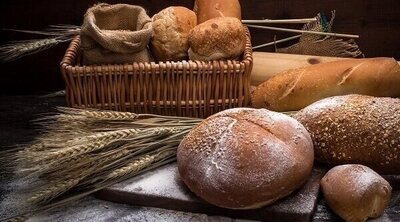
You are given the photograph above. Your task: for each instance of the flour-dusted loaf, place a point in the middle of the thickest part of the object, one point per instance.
(245, 158)
(171, 28)
(208, 9)
(218, 38)
(356, 192)
(355, 129)
(297, 88)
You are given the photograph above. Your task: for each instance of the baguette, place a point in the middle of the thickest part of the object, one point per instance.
(267, 64)
(355, 129)
(295, 89)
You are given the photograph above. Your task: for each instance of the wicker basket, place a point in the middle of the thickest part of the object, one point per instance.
(187, 88)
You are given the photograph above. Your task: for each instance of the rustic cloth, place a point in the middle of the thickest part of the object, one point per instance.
(311, 44)
(115, 34)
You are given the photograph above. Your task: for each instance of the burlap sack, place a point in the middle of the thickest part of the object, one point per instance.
(115, 34)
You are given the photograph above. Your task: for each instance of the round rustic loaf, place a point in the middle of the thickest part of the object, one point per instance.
(245, 158)
(355, 129)
(171, 28)
(356, 192)
(218, 38)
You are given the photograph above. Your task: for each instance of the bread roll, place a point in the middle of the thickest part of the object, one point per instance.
(298, 88)
(171, 28)
(208, 9)
(356, 192)
(355, 129)
(221, 162)
(218, 38)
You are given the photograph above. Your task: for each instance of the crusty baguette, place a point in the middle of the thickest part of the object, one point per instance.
(295, 89)
(355, 129)
(268, 64)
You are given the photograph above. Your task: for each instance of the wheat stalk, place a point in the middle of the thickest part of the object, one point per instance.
(139, 164)
(57, 34)
(83, 151)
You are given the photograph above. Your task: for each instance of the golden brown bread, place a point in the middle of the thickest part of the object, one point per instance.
(297, 88)
(218, 38)
(355, 129)
(208, 9)
(171, 28)
(356, 192)
(221, 162)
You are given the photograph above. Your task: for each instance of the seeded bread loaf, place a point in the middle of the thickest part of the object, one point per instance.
(355, 129)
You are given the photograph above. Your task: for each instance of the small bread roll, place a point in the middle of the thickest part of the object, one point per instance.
(171, 28)
(355, 192)
(208, 9)
(245, 158)
(218, 38)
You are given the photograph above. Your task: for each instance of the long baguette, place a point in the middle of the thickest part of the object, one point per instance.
(268, 64)
(295, 89)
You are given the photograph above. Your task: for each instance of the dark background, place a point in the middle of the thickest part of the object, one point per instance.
(376, 21)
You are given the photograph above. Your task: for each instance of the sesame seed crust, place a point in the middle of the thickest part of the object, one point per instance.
(355, 129)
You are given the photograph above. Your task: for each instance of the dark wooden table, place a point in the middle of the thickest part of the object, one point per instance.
(16, 114)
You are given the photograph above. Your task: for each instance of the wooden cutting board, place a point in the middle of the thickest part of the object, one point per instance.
(162, 188)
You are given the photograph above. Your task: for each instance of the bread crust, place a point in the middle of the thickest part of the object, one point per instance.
(297, 88)
(209, 9)
(245, 158)
(218, 38)
(355, 129)
(171, 28)
(356, 192)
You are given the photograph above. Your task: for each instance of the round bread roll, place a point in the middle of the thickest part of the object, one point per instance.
(356, 192)
(208, 9)
(218, 38)
(171, 28)
(245, 158)
(355, 129)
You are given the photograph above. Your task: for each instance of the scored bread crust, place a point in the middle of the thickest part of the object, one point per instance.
(295, 89)
(218, 38)
(171, 28)
(356, 192)
(245, 158)
(355, 129)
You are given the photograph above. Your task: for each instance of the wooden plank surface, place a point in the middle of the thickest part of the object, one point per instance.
(163, 188)
(16, 115)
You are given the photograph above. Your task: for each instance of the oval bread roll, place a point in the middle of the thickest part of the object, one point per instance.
(297, 88)
(356, 192)
(171, 28)
(218, 38)
(245, 158)
(355, 129)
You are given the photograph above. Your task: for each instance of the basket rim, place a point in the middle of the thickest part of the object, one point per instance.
(70, 56)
